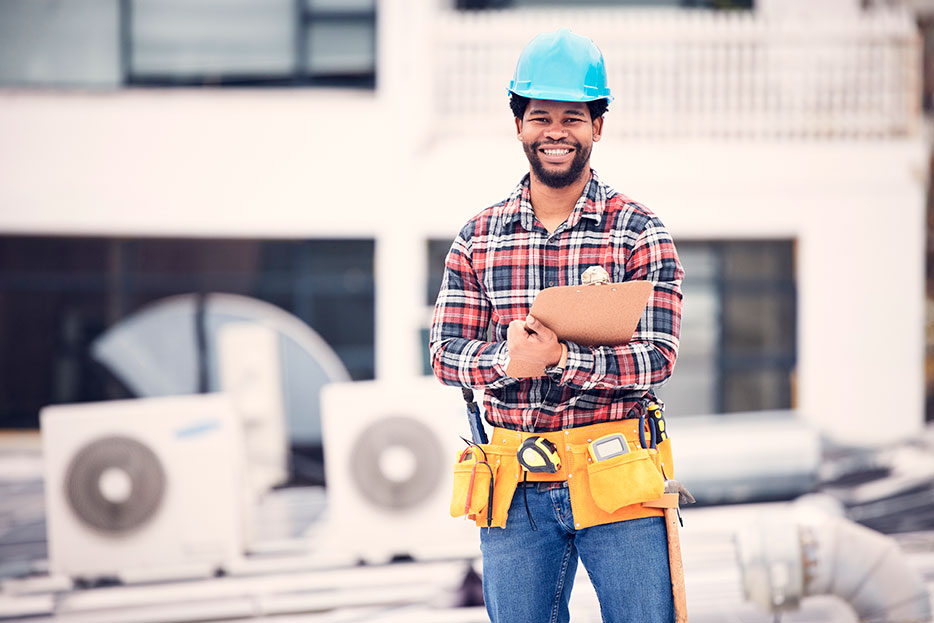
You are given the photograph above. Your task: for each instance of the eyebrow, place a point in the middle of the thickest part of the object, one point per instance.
(569, 111)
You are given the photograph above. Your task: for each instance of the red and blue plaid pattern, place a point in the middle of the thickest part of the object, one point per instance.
(504, 257)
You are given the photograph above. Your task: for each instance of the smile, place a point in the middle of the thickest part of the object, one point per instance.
(556, 152)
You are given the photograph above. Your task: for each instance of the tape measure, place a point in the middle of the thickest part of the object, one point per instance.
(539, 455)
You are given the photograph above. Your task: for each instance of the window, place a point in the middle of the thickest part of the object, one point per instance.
(203, 41)
(251, 42)
(340, 41)
(66, 44)
(108, 43)
(739, 328)
(57, 295)
(502, 4)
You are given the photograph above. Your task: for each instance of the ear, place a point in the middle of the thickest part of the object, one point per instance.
(518, 127)
(597, 128)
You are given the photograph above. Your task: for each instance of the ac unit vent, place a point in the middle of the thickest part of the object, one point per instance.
(389, 450)
(396, 462)
(115, 484)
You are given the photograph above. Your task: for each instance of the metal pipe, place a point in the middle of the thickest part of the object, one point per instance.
(808, 551)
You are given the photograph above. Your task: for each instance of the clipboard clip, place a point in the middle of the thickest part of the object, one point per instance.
(595, 275)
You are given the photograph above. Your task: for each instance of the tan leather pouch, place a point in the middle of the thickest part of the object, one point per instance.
(631, 478)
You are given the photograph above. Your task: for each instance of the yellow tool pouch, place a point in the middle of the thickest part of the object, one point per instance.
(601, 491)
(473, 501)
(624, 480)
(473, 483)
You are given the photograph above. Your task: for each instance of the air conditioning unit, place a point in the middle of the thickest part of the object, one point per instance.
(143, 489)
(389, 451)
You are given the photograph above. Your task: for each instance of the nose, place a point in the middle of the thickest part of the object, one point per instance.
(556, 132)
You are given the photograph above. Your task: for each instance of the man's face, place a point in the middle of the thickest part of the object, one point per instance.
(557, 138)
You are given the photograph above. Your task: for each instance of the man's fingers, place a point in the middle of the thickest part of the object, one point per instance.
(543, 332)
(521, 329)
(530, 340)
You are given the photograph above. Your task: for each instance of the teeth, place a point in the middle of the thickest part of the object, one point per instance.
(557, 152)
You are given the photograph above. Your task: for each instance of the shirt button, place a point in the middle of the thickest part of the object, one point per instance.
(551, 283)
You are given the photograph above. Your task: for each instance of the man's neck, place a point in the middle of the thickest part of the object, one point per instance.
(552, 206)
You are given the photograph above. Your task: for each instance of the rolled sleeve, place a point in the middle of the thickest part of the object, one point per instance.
(460, 353)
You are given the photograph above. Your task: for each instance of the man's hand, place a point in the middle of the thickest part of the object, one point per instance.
(533, 342)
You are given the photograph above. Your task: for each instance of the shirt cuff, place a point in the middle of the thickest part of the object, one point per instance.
(580, 361)
(500, 359)
(555, 371)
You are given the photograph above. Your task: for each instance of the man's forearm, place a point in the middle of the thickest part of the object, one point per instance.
(470, 363)
(637, 365)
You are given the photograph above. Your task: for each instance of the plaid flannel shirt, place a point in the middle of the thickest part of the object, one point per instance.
(504, 257)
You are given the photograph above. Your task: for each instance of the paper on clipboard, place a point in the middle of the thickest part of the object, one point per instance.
(604, 314)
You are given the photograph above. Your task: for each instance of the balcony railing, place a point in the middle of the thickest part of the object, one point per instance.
(699, 74)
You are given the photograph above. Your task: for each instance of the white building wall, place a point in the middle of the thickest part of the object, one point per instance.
(322, 164)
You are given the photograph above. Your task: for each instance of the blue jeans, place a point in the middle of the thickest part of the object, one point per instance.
(528, 575)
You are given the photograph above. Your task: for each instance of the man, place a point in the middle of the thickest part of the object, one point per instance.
(559, 221)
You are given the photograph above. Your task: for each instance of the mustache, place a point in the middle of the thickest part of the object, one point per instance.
(567, 143)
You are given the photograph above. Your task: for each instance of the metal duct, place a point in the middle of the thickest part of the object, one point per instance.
(746, 457)
(807, 551)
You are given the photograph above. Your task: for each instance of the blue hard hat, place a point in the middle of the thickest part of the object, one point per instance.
(561, 66)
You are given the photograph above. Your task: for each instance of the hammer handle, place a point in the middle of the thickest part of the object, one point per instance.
(676, 566)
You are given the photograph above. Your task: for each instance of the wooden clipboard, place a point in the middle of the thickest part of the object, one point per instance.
(603, 314)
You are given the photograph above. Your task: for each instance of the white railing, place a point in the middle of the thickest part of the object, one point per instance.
(699, 74)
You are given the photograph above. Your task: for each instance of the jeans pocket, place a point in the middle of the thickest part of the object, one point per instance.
(632, 478)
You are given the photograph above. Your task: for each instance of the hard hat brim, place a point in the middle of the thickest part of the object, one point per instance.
(557, 96)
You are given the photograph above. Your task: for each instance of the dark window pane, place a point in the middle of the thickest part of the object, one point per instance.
(57, 295)
(186, 39)
(426, 354)
(341, 46)
(703, 4)
(759, 323)
(755, 390)
(37, 257)
(60, 44)
(772, 261)
(437, 252)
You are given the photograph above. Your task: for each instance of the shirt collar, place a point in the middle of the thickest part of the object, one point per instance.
(589, 205)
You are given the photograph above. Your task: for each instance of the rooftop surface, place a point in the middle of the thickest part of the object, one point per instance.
(285, 579)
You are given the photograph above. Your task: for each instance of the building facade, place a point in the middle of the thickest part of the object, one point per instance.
(322, 155)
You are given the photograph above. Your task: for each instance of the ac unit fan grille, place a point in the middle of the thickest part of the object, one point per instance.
(132, 458)
(382, 490)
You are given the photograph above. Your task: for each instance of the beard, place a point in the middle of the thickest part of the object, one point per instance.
(557, 179)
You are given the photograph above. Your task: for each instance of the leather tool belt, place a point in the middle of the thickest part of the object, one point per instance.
(628, 486)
